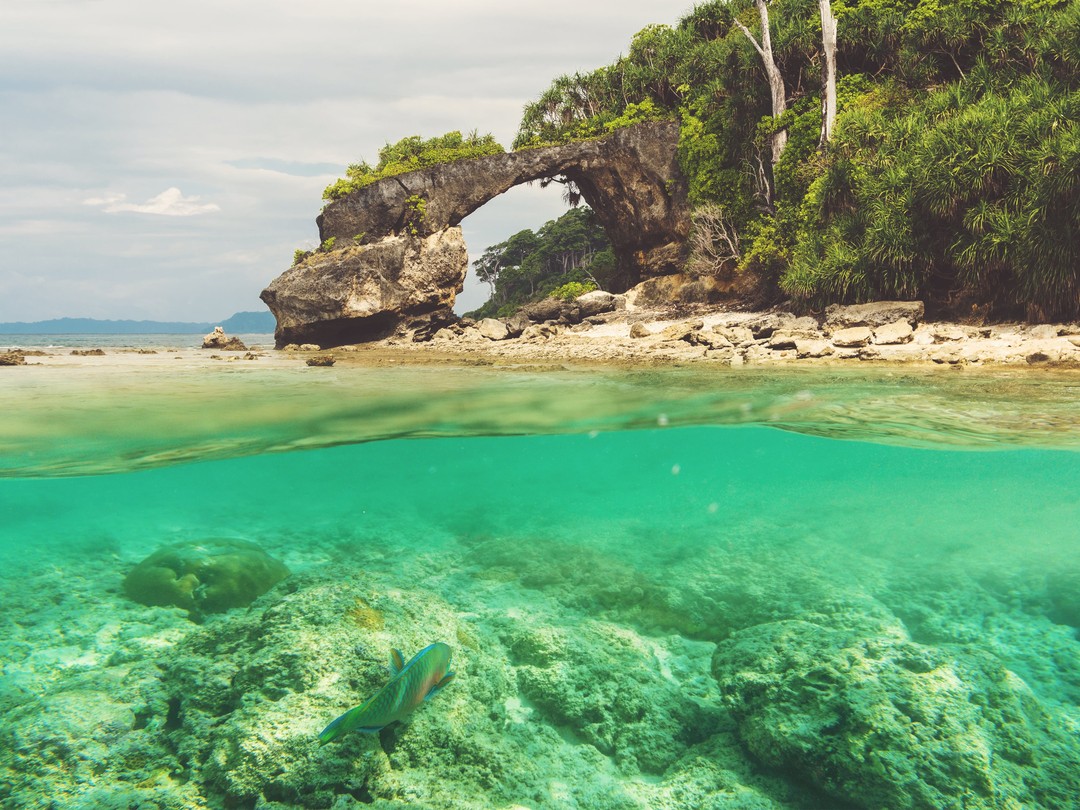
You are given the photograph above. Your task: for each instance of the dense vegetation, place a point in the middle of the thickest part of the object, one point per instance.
(410, 154)
(566, 256)
(953, 172)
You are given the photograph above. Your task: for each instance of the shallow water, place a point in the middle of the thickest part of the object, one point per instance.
(663, 589)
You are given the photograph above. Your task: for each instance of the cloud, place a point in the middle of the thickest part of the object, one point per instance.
(169, 203)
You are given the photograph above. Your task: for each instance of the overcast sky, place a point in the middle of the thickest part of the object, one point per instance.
(162, 159)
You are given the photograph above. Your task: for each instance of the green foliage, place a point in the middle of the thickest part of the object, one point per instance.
(953, 172)
(328, 244)
(299, 255)
(410, 154)
(566, 254)
(572, 289)
(415, 212)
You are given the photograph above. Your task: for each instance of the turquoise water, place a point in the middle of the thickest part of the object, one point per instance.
(663, 590)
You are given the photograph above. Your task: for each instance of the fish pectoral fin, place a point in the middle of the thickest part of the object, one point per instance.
(439, 686)
(397, 661)
(370, 729)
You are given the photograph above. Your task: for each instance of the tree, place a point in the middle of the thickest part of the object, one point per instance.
(828, 89)
(772, 73)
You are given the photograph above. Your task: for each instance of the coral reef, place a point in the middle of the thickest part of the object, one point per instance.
(205, 576)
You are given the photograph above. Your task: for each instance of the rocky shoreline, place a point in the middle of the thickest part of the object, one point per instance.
(601, 327)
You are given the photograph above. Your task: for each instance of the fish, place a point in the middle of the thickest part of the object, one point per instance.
(426, 674)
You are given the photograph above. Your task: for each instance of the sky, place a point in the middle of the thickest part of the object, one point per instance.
(162, 159)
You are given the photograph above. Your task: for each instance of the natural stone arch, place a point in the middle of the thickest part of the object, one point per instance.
(393, 269)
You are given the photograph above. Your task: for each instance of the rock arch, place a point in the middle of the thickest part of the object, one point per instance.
(396, 266)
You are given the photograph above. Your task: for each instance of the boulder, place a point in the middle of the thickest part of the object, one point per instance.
(547, 309)
(397, 285)
(639, 330)
(811, 348)
(219, 340)
(894, 333)
(539, 331)
(711, 340)
(873, 314)
(595, 302)
(681, 331)
(763, 326)
(781, 341)
(946, 333)
(323, 360)
(493, 329)
(852, 337)
(517, 323)
(738, 335)
(12, 359)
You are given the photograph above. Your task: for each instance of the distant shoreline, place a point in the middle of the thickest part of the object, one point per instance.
(238, 322)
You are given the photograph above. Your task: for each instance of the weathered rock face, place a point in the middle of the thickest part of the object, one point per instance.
(631, 179)
(397, 284)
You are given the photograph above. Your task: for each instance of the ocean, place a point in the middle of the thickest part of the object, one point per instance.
(106, 341)
(662, 588)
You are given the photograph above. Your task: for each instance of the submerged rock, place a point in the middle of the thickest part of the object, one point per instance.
(208, 576)
(850, 703)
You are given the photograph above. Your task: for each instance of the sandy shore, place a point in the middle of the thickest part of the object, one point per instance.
(653, 337)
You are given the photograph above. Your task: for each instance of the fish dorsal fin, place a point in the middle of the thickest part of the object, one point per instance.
(397, 662)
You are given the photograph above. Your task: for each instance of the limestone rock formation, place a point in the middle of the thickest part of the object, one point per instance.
(873, 314)
(219, 340)
(367, 292)
(393, 259)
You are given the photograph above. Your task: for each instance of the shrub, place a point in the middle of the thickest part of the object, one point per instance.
(410, 154)
(572, 289)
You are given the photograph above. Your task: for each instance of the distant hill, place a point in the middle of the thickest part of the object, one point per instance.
(240, 323)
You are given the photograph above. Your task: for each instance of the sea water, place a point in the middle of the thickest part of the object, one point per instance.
(663, 589)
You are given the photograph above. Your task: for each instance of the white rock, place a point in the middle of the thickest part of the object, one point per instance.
(493, 329)
(738, 335)
(894, 333)
(807, 347)
(852, 337)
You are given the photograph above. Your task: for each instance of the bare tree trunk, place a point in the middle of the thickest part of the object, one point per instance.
(772, 72)
(828, 90)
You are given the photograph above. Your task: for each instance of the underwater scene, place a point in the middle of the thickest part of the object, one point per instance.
(455, 587)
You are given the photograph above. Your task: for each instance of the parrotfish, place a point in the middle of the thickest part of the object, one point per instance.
(426, 674)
